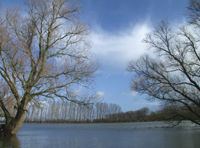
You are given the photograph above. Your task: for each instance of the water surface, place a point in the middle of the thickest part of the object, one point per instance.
(107, 135)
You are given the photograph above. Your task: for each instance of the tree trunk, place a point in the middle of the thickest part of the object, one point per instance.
(12, 127)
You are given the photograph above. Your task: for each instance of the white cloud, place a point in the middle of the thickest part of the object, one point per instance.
(116, 49)
(76, 92)
(132, 94)
(99, 95)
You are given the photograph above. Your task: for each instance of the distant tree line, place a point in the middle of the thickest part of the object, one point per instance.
(100, 112)
(166, 113)
(69, 112)
(129, 116)
(169, 113)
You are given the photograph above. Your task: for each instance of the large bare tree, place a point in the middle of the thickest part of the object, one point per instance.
(172, 76)
(44, 53)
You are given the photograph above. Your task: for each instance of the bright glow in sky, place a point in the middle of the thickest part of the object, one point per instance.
(117, 30)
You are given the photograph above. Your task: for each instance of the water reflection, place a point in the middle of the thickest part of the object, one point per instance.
(126, 135)
(9, 142)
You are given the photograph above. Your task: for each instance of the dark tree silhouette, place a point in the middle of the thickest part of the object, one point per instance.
(172, 76)
(44, 53)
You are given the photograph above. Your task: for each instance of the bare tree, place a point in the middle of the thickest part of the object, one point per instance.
(193, 13)
(173, 75)
(43, 53)
(6, 101)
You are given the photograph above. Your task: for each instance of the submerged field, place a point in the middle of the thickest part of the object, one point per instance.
(107, 135)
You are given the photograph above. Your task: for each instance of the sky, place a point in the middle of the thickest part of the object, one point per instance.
(117, 29)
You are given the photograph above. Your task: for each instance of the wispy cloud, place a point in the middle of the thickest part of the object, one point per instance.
(132, 94)
(116, 49)
(109, 75)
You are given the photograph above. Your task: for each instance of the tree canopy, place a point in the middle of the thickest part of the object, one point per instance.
(173, 74)
(44, 53)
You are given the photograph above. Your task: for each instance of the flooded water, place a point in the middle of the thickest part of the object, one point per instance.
(108, 135)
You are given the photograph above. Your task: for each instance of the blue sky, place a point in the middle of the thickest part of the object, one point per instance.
(117, 29)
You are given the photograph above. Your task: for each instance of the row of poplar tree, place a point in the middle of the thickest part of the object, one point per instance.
(65, 111)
